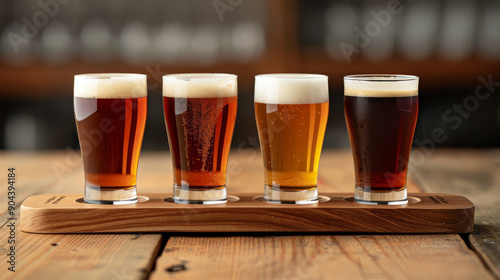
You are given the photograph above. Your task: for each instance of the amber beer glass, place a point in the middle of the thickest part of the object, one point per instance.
(381, 114)
(291, 112)
(200, 112)
(110, 112)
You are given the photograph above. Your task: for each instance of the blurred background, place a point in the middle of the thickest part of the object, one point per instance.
(453, 45)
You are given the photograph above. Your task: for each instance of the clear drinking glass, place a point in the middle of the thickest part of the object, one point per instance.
(291, 112)
(381, 114)
(110, 112)
(200, 113)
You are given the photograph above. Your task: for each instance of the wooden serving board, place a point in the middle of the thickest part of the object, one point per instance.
(337, 212)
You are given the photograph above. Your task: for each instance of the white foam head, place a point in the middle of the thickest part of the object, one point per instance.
(380, 85)
(200, 85)
(110, 85)
(291, 88)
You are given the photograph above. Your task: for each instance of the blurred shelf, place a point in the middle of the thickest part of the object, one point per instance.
(41, 80)
(432, 72)
(283, 53)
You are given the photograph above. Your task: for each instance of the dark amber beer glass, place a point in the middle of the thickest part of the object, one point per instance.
(110, 112)
(200, 112)
(381, 114)
(291, 112)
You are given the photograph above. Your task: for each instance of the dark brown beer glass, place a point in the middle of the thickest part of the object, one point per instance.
(291, 111)
(200, 113)
(110, 112)
(381, 114)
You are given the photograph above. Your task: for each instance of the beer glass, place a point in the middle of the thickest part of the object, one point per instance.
(381, 114)
(110, 112)
(291, 112)
(200, 112)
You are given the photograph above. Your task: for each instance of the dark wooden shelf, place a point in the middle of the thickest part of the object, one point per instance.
(432, 71)
(40, 79)
(283, 54)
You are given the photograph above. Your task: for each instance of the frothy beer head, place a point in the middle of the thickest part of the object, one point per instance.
(200, 85)
(110, 85)
(380, 85)
(291, 88)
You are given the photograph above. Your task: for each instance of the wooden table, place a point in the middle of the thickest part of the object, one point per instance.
(472, 173)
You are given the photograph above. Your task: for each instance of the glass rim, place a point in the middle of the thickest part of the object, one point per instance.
(291, 76)
(381, 77)
(107, 76)
(200, 75)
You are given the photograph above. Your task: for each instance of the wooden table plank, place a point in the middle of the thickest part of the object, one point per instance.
(476, 175)
(319, 257)
(362, 257)
(82, 256)
(109, 256)
(35, 173)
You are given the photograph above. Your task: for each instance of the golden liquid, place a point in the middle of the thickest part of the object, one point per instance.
(291, 138)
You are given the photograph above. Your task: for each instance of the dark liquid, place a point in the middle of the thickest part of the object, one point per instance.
(110, 133)
(199, 133)
(381, 133)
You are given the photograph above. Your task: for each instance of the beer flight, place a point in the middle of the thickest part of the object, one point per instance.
(291, 112)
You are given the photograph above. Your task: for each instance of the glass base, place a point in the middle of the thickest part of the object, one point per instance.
(380, 198)
(97, 195)
(290, 197)
(215, 196)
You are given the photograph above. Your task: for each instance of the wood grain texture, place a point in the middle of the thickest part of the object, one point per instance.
(36, 173)
(319, 257)
(111, 256)
(325, 257)
(71, 256)
(426, 213)
(476, 175)
(425, 256)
